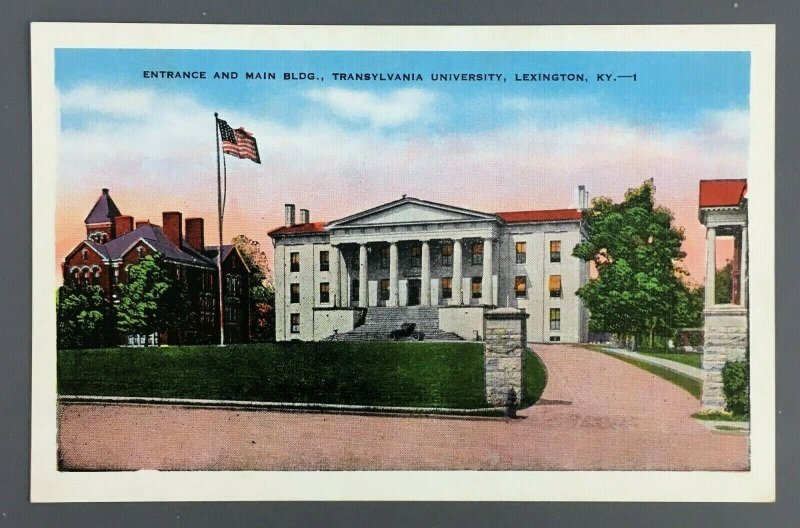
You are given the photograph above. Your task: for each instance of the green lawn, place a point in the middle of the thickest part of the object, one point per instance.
(386, 374)
(692, 359)
(693, 386)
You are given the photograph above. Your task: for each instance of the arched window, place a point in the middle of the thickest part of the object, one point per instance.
(140, 251)
(95, 276)
(75, 275)
(85, 254)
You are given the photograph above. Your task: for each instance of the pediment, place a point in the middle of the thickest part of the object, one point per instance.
(411, 211)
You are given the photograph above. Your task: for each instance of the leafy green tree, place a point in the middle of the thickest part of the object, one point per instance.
(153, 300)
(638, 291)
(82, 314)
(262, 292)
(723, 284)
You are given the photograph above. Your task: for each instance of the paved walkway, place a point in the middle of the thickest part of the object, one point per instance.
(692, 372)
(597, 413)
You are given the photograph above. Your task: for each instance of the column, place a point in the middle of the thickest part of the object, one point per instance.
(711, 264)
(394, 284)
(425, 275)
(363, 292)
(336, 275)
(743, 267)
(488, 272)
(456, 297)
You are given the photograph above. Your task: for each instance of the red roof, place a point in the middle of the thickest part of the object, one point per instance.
(551, 215)
(722, 193)
(299, 229)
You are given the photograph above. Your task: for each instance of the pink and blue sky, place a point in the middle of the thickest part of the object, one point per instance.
(337, 147)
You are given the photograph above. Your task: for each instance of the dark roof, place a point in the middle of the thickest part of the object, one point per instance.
(310, 228)
(154, 236)
(211, 251)
(227, 249)
(722, 193)
(549, 215)
(103, 211)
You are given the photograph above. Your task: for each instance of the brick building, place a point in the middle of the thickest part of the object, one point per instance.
(114, 242)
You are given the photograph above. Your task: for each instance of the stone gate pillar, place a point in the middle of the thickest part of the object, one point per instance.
(505, 340)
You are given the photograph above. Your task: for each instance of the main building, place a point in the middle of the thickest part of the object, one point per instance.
(432, 264)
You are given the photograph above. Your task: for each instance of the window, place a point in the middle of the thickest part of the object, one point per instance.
(294, 261)
(555, 338)
(555, 251)
(447, 254)
(477, 283)
(95, 276)
(416, 256)
(555, 285)
(477, 253)
(324, 261)
(294, 293)
(384, 287)
(521, 253)
(85, 254)
(555, 318)
(520, 286)
(294, 323)
(140, 251)
(447, 287)
(324, 292)
(385, 257)
(354, 290)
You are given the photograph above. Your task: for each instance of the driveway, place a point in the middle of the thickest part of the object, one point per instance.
(597, 412)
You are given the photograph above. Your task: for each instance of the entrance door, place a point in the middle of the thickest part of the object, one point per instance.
(413, 292)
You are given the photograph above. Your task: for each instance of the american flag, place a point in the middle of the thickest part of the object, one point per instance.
(239, 142)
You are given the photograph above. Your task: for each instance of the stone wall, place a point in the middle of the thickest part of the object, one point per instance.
(505, 341)
(726, 339)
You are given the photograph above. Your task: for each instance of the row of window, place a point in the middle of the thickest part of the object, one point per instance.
(520, 288)
(555, 322)
(476, 252)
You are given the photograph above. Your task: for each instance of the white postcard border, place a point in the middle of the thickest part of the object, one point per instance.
(756, 485)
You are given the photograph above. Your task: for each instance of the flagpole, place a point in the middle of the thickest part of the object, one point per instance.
(219, 248)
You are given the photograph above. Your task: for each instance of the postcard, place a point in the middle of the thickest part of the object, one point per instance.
(403, 263)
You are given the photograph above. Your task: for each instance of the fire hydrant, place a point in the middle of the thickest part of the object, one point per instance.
(511, 403)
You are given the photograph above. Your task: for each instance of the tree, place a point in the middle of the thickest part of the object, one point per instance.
(82, 314)
(153, 300)
(638, 291)
(723, 284)
(262, 292)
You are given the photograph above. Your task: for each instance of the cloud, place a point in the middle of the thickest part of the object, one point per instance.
(90, 98)
(390, 110)
(162, 157)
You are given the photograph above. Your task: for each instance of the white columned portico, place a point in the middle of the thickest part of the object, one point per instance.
(425, 275)
(394, 283)
(488, 272)
(362, 276)
(456, 297)
(711, 265)
(743, 267)
(335, 258)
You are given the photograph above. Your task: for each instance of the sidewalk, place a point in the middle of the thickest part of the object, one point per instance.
(674, 366)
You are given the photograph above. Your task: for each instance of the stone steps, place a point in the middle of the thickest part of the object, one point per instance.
(380, 321)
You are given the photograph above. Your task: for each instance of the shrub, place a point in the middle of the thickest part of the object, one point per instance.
(736, 385)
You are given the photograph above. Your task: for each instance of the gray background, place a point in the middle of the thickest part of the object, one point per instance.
(15, 274)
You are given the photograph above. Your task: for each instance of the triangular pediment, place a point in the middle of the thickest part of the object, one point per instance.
(411, 211)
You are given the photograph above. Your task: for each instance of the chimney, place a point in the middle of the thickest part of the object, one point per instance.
(124, 224)
(289, 215)
(172, 226)
(195, 234)
(105, 191)
(582, 201)
(140, 223)
(304, 216)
